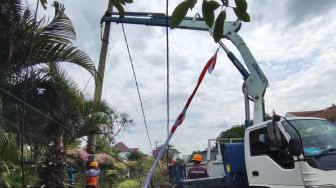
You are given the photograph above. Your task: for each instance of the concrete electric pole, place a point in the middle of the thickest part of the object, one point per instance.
(92, 138)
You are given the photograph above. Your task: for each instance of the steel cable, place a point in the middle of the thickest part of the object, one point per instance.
(137, 86)
(136, 82)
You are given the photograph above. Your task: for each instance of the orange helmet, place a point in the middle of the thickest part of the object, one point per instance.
(93, 163)
(197, 157)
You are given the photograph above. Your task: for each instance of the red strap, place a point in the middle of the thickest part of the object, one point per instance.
(180, 118)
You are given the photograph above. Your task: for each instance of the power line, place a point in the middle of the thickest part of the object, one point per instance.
(167, 44)
(136, 83)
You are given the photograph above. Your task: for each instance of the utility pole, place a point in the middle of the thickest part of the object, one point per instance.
(156, 142)
(92, 138)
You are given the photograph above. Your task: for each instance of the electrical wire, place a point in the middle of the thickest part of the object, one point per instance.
(167, 47)
(66, 128)
(136, 83)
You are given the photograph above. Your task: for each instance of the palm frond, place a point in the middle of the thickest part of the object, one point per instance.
(61, 26)
(58, 52)
(4, 167)
(91, 107)
(92, 124)
(59, 30)
(10, 27)
(96, 120)
(69, 80)
(1, 104)
(3, 136)
(10, 10)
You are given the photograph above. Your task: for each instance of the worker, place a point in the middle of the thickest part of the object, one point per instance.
(197, 171)
(71, 173)
(92, 175)
(110, 181)
(72, 169)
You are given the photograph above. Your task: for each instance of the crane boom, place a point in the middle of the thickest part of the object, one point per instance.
(255, 81)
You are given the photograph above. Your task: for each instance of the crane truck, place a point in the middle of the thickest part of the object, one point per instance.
(283, 152)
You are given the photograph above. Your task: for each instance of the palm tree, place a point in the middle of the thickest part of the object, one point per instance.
(10, 15)
(51, 44)
(75, 119)
(47, 89)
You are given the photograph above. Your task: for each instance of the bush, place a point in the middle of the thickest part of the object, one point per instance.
(130, 184)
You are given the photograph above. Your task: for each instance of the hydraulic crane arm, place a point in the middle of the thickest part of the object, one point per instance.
(255, 82)
(159, 19)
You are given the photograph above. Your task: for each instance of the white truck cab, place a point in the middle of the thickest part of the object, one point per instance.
(293, 152)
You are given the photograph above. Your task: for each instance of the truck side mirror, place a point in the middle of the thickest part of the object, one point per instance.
(295, 147)
(276, 118)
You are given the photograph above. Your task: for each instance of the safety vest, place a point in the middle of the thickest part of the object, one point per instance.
(197, 172)
(92, 180)
(92, 177)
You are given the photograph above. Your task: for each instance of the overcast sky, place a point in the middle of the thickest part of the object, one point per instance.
(292, 40)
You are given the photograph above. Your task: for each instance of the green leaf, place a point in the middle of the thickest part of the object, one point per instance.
(208, 10)
(241, 4)
(43, 3)
(213, 5)
(113, 2)
(242, 15)
(219, 26)
(208, 15)
(125, 1)
(191, 3)
(119, 8)
(178, 14)
(121, 2)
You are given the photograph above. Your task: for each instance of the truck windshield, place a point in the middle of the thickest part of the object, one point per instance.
(318, 136)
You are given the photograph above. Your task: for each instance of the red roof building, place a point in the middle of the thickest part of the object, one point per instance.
(124, 150)
(121, 147)
(328, 113)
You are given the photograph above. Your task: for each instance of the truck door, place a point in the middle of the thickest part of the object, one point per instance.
(268, 163)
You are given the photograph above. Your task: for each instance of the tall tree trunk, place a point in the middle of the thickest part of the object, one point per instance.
(53, 166)
(59, 141)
